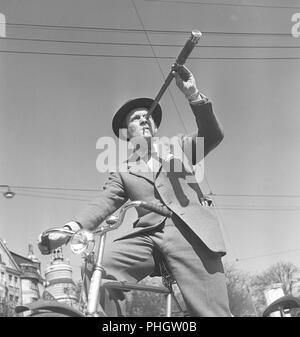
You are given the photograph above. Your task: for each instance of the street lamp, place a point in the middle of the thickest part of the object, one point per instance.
(9, 193)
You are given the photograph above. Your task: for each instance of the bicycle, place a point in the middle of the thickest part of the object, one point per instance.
(84, 242)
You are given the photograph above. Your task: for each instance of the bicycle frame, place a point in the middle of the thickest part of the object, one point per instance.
(97, 282)
(113, 223)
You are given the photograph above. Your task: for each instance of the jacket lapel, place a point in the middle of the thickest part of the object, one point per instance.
(170, 162)
(140, 169)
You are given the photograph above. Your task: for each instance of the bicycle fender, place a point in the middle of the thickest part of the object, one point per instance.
(50, 306)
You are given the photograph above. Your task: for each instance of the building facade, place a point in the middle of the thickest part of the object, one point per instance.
(10, 281)
(20, 279)
(32, 282)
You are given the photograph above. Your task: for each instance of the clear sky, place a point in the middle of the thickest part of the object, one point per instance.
(53, 109)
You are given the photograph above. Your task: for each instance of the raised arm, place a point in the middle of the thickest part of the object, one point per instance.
(210, 131)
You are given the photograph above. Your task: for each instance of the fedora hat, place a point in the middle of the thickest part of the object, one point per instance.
(120, 115)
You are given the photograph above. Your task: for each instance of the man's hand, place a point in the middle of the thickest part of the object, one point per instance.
(52, 241)
(185, 81)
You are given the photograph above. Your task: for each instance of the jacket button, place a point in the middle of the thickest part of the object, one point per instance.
(159, 185)
(168, 202)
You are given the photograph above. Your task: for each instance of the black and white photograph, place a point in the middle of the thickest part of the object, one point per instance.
(149, 161)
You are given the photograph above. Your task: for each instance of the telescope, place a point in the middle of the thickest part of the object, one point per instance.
(181, 59)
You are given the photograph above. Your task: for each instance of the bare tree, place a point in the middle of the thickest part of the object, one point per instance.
(142, 303)
(240, 299)
(7, 308)
(150, 304)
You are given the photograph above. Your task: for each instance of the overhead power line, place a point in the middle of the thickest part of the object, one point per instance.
(60, 193)
(223, 4)
(52, 197)
(53, 188)
(279, 209)
(158, 64)
(138, 30)
(269, 254)
(258, 195)
(142, 44)
(144, 56)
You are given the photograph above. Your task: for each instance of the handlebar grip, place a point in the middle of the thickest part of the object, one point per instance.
(162, 210)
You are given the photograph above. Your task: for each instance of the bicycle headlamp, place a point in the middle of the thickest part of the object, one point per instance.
(82, 242)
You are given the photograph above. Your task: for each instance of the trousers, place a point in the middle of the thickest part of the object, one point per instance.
(198, 271)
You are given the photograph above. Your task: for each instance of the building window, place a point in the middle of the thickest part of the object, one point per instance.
(10, 279)
(16, 280)
(17, 299)
(33, 286)
(11, 298)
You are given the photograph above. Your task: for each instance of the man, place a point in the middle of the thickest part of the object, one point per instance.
(190, 241)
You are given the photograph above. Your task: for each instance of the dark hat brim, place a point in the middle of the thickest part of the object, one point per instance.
(119, 117)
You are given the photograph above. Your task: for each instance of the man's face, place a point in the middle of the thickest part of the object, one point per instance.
(138, 125)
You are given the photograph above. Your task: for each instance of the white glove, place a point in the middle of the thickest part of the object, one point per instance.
(185, 81)
(55, 240)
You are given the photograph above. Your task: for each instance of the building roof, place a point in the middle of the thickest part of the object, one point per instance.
(22, 259)
(10, 261)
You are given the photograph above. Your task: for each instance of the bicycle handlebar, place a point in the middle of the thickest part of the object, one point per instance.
(162, 210)
(58, 230)
(115, 221)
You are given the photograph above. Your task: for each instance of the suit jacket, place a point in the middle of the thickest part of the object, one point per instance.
(179, 191)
